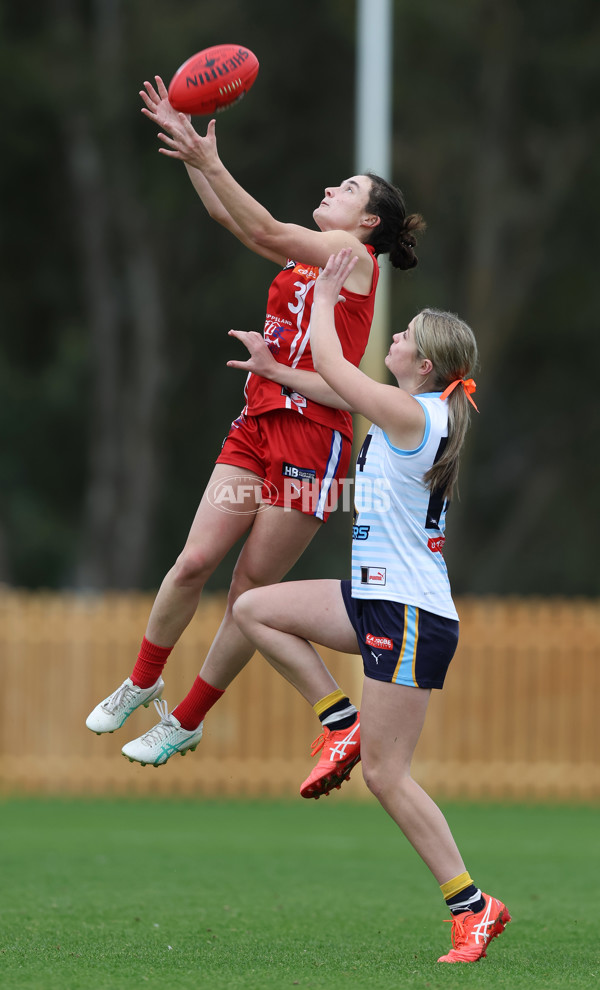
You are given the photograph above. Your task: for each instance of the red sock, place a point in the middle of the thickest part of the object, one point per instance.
(150, 662)
(191, 711)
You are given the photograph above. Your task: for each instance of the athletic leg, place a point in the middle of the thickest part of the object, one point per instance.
(279, 536)
(280, 621)
(213, 532)
(275, 542)
(277, 539)
(215, 529)
(392, 719)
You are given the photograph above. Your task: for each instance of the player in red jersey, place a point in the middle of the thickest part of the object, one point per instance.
(291, 442)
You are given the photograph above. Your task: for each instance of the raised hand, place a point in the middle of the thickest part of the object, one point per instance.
(261, 361)
(157, 108)
(329, 283)
(182, 140)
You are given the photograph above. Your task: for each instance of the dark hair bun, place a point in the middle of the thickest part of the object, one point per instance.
(403, 254)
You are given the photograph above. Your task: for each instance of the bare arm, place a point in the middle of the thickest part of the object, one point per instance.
(217, 211)
(271, 237)
(158, 109)
(261, 362)
(396, 411)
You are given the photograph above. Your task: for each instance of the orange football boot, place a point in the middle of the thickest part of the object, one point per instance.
(341, 752)
(472, 933)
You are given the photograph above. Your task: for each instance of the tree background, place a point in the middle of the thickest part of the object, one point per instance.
(117, 292)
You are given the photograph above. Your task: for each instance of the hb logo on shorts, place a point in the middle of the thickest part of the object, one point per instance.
(293, 471)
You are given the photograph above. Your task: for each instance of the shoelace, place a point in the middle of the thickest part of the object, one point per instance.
(458, 935)
(122, 695)
(318, 743)
(166, 723)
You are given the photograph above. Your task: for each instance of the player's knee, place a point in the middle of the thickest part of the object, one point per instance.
(373, 778)
(241, 610)
(241, 582)
(249, 612)
(192, 568)
(380, 779)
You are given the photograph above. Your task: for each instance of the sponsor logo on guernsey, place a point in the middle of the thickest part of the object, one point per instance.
(360, 532)
(274, 330)
(273, 335)
(309, 271)
(292, 471)
(278, 322)
(436, 543)
(372, 575)
(379, 642)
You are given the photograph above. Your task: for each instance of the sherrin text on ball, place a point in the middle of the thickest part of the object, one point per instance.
(213, 79)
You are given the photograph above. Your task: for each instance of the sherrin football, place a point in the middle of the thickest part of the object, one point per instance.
(213, 79)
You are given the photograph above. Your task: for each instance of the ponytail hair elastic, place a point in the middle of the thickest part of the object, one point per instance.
(468, 385)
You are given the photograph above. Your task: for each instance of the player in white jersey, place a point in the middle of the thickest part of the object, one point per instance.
(397, 553)
(397, 611)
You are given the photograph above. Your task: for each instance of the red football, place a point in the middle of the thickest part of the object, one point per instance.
(213, 79)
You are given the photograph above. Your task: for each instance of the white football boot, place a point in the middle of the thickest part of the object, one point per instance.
(164, 740)
(111, 713)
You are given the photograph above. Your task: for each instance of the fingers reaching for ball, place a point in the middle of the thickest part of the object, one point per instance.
(157, 106)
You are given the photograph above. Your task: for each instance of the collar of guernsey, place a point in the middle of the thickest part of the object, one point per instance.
(287, 332)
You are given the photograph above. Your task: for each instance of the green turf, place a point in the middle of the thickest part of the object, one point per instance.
(180, 894)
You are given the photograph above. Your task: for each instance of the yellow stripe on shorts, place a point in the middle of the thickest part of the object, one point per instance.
(408, 650)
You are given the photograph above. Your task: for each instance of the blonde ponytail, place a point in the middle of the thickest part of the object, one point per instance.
(450, 345)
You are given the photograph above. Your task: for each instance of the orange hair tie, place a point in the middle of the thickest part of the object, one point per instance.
(468, 385)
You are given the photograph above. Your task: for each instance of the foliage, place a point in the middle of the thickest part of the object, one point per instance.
(116, 292)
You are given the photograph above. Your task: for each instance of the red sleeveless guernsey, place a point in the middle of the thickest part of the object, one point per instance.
(287, 333)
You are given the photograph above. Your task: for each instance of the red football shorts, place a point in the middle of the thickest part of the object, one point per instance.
(303, 464)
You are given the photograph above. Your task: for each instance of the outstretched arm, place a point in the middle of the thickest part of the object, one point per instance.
(267, 235)
(261, 362)
(396, 411)
(158, 109)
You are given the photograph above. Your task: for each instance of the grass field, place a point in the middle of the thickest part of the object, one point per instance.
(185, 894)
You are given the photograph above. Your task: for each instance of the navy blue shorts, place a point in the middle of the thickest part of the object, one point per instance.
(401, 643)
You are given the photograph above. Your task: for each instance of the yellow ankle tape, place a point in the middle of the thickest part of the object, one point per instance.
(328, 701)
(452, 887)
